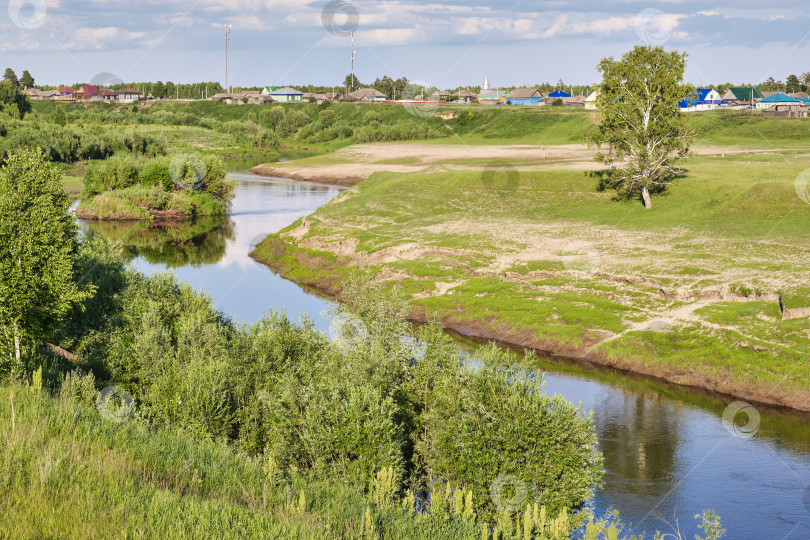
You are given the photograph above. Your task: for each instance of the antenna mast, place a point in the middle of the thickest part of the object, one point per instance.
(228, 58)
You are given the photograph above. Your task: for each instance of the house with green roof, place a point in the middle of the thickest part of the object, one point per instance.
(741, 95)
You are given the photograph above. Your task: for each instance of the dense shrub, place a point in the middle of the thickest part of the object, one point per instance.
(372, 117)
(272, 117)
(327, 117)
(366, 402)
(128, 188)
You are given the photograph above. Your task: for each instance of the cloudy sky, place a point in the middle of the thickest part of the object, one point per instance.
(446, 43)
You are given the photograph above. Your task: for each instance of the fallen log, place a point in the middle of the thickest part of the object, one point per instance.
(67, 355)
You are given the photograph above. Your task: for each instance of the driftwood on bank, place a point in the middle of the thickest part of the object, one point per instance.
(67, 355)
(792, 313)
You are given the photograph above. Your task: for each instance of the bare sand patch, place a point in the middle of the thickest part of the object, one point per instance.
(354, 164)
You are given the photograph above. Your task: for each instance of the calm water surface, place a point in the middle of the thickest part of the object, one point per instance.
(667, 451)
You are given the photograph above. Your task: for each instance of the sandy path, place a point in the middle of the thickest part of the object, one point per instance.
(356, 163)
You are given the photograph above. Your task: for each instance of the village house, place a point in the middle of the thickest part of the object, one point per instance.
(286, 94)
(40, 95)
(573, 101)
(525, 96)
(127, 95)
(104, 95)
(86, 91)
(590, 101)
(703, 99)
(558, 94)
(242, 98)
(465, 96)
(783, 101)
(368, 95)
(490, 97)
(740, 96)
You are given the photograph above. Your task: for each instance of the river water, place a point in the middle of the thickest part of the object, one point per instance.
(668, 453)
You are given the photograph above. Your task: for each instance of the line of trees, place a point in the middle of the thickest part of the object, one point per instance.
(25, 80)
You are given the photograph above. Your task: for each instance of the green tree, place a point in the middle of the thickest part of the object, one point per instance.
(27, 80)
(59, 117)
(351, 83)
(37, 247)
(327, 117)
(159, 89)
(641, 121)
(10, 76)
(13, 102)
(399, 85)
(805, 79)
(793, 83)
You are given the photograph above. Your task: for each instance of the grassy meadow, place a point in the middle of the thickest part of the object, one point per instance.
(542, 257)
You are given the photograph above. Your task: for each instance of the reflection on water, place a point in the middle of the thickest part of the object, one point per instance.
(196, 243)
(217, 253)
(638, 434)
(666, 451)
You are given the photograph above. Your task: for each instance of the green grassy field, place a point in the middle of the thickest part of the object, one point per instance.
(687, 291)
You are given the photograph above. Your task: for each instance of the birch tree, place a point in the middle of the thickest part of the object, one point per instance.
(37, 246)
(641, 122)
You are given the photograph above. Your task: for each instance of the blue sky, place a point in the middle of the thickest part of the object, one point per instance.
(446, 43)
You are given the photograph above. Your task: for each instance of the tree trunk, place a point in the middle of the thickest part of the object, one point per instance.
(16, 343)
(645, 196)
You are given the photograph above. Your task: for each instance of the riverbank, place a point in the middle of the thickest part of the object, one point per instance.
(535, 256)
(138, 204)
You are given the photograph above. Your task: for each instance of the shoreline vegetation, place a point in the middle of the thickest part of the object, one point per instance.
(528, 249)
(163, 189)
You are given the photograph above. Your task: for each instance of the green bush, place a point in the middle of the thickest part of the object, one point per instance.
(327, 117)
(372, 117)
(272, 117)
(155, 172)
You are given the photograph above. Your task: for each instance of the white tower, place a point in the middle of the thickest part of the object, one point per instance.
(486, 83)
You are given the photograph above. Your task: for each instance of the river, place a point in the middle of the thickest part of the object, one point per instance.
(667, 450)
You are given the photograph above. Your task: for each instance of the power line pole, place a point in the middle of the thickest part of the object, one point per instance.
(228, 58)
(352, 62)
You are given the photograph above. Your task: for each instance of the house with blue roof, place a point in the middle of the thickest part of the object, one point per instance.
(783, 105)
(524, 96)
(703, 99)
(559, 94)
(778, 98)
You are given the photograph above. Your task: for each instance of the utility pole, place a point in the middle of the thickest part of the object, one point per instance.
(352, 62)
(228, 58)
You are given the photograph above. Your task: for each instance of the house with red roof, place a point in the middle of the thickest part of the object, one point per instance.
(86, 91)
(104, 95)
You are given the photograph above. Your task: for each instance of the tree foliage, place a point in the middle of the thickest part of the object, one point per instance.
(27, 79)
(13, 102)
(640, 120)
(37, 245)
(10, 76)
